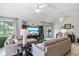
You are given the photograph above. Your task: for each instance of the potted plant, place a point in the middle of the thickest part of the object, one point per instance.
(49, 31)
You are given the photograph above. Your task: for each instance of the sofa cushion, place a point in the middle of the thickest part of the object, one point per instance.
(53, 41)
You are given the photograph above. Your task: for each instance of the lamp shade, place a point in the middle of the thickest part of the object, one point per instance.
(63, 30)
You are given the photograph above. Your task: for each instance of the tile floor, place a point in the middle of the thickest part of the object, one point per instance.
(1, 52)
(74, 50)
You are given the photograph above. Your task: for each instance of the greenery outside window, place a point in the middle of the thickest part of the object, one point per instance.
(6, 29)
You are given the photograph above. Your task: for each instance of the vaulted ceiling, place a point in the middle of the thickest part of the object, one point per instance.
(50, 12)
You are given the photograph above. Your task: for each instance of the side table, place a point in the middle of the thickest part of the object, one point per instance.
(78, 40)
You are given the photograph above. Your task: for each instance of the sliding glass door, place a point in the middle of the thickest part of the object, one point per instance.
(6, 29)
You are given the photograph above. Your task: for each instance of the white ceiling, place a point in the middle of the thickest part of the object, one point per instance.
(49, 13)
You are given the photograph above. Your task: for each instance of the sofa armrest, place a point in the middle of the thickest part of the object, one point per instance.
(10, 49)
(37, 51)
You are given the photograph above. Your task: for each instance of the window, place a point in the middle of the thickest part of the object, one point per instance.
(6, 28)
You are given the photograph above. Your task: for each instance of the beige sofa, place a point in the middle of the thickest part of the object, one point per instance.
(10, 49)
(58, 46)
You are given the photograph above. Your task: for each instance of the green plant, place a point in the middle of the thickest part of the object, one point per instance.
(49, 30)
(2, 40)
(24, 22)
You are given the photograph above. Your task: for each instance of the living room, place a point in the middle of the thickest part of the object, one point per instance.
(51, 26)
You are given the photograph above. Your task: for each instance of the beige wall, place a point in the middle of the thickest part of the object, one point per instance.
(75, 22)
(69, 20)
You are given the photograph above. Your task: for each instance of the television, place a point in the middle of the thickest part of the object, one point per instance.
(33, 31)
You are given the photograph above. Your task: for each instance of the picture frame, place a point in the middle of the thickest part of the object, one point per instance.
(67, 26)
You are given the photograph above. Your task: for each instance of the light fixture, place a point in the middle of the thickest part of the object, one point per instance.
(61, 19)
(42, 6)
(37, 10)
(39, 7)
(63, 30)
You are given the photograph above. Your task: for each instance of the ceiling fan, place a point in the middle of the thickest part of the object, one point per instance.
(39, 7)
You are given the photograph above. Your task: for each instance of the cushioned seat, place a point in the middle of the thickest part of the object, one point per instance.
(55, 40)
(58, 46)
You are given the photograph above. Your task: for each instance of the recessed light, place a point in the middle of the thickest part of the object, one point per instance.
(61, 18)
